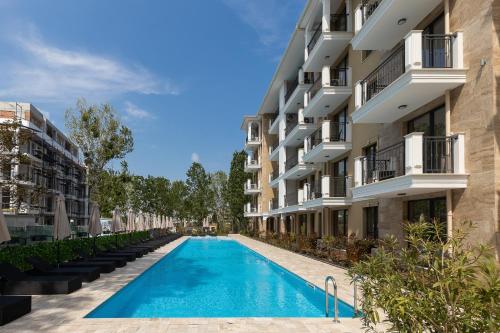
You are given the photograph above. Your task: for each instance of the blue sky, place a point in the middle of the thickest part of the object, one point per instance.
(181, 74)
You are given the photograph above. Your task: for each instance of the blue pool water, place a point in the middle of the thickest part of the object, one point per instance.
(216, 277)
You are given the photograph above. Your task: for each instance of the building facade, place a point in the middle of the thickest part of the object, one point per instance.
(381, 112)
(52, 166)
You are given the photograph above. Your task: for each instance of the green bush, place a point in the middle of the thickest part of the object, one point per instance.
(68, 249)
(431, 284)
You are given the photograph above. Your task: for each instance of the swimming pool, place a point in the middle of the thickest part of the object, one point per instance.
(216, 277)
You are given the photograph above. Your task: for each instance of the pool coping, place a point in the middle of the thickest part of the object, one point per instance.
(66, 313)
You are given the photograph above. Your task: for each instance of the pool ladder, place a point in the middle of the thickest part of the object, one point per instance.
(335, 298)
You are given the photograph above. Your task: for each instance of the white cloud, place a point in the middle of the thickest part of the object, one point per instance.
(47, 73)
(134, 111)
(195, 157)
(271, 19)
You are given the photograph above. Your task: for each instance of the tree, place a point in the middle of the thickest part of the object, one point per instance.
(220, 208)
(234, 193)
(199, 197)
(432, 285)
(100, 136)
(178, 198)
(112, 190)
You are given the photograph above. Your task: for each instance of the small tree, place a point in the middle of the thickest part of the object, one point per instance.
(235, 195)
(100, 135)
(432, 284)
(220, 209)
(112, 190)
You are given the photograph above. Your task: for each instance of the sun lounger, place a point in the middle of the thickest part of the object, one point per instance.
(13, 307)
(19, 283)
(41, 267)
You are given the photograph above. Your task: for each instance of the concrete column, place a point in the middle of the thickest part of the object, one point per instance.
(358, 95)
(458, 50)
(459, 154)
(325, 76)
(325, 130)
(358, 171)
(358, 18)
(325, 186)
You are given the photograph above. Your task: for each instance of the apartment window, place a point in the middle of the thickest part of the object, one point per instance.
(339, 220)
(5, 198)
(430, 210)
(365, 54)
(431, 123)
(370, 217)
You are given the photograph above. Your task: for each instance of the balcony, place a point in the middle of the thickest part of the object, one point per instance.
(330, 141)
(294, 96)
(251, 210)
(331, 89)
(274, 124)
(329, 192)
(295, 133)
(416, 73)
(252, 165)
(327, 42)
(251, 188)
(381, 24)
(274, 204)
(252, 142)
(274, 153)
(295, 166)
(418, 165)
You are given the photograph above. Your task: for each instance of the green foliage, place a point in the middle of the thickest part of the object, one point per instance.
(68, 249)
(220, 209)
(112, 190)
(200, 196)
(432, 284)
(234, 194)
(100, 135)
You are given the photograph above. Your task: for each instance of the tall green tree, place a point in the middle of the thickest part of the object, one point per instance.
(100, 135)
(112, 190)
(220, 208)
(178, 196)
(234, 193)
(199, 196)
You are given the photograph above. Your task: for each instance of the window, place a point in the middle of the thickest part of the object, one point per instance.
(429, 209)
(339, 219)
(370, 216)
(431, 123)
(5, 198)
(365, 54)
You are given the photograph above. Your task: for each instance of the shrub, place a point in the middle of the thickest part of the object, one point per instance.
(68, 249)
(432, 284)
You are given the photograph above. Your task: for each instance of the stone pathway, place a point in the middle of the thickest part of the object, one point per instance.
(65, 313)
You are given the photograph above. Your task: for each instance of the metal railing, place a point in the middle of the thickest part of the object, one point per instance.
(438, 154)
(338, 22)
(253, 138)
(291, 199)
(315, 190)
(252, 163)
(338, 77)
(274, 175)
(250, 187)
(335, 298)
(291, 161)
(317, 85)
(314, 38)
(367, 9)
(386, 73)
(384, 164)
(338, 186)
(290, 126)
(437, 51)
(337, 134)
(290, 88)
(274, 204)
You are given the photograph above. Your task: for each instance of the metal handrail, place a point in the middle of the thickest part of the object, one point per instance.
(355, 281)
(367, 9)
(335, 298)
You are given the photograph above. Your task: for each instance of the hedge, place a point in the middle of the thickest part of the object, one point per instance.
(68, 249)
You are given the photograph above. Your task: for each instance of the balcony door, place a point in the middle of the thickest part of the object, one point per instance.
(339, 222)
(339, 172)
(338, 126)
(429, 210)
(436, 46)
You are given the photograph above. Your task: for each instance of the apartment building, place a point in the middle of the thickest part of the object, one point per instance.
(380, 111)
(52, 166)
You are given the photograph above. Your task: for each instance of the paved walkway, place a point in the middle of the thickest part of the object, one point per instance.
(65, 313)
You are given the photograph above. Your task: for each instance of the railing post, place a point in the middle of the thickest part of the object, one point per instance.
(300, 156)
(326, 16)
(459, 153)
(301, 76)
(301, 116)
(458, 50)
(413, 50)
(358, 92)
(307, 144)
(325, 186)
(307, 192)
(414, 143)
(358, 171)
(325, 76)
(300, 196)
(325, 131)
